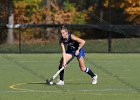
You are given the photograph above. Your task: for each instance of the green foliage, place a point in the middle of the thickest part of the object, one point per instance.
(79, 18)
(69, 6)
(73, 12)
(28, 1)
(33, 1)
(30, 9)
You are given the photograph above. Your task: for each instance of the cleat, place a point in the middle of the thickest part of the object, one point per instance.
(60, 82)
(94, 79)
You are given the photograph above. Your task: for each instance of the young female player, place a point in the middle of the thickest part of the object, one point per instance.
(73, 46)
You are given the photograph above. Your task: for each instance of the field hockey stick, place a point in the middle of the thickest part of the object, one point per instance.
(57, 73)
(54, 76)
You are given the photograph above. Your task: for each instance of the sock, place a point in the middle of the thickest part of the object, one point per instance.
(89, 72)
(61, 74)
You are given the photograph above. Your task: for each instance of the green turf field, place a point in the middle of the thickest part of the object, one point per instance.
(22, 77)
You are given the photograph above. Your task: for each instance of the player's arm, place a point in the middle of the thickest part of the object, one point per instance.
(80, 41)
(63, 53)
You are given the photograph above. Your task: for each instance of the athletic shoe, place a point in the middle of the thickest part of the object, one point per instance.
(94, 79)
(60, 82)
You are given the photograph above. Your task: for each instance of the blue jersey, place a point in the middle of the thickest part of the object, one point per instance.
(71, 46)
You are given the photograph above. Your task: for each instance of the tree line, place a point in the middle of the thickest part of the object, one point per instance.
(72, 12)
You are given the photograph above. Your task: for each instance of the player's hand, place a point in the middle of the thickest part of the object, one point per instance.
(64, 65)
(77, 52)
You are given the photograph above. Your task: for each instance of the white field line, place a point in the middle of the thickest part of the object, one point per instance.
(60, 91)
(15, 88)
(31, 61)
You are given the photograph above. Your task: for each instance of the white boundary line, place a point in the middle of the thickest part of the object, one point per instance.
(85, 91)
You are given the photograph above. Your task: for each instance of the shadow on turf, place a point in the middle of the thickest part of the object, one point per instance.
(76, 83)
(37, 83)
(69, 83)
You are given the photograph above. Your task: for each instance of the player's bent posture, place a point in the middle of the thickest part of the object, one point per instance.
(73, 46)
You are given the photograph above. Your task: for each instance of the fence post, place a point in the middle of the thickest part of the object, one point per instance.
(109, 32)
(109, 42)
(19, 40)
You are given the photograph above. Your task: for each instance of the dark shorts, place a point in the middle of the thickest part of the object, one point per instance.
(81, 53)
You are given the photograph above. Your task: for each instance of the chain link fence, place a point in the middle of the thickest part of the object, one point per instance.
(102, 33)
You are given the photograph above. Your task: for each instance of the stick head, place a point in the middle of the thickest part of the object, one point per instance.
(49, 82)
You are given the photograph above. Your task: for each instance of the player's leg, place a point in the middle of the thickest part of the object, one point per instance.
(87, 70)
(84, 68)
(68, 57)
(80, 58)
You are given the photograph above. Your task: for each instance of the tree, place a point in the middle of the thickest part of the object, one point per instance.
(10, 36)
(3, 20)
(100, 9)
(132, 9)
